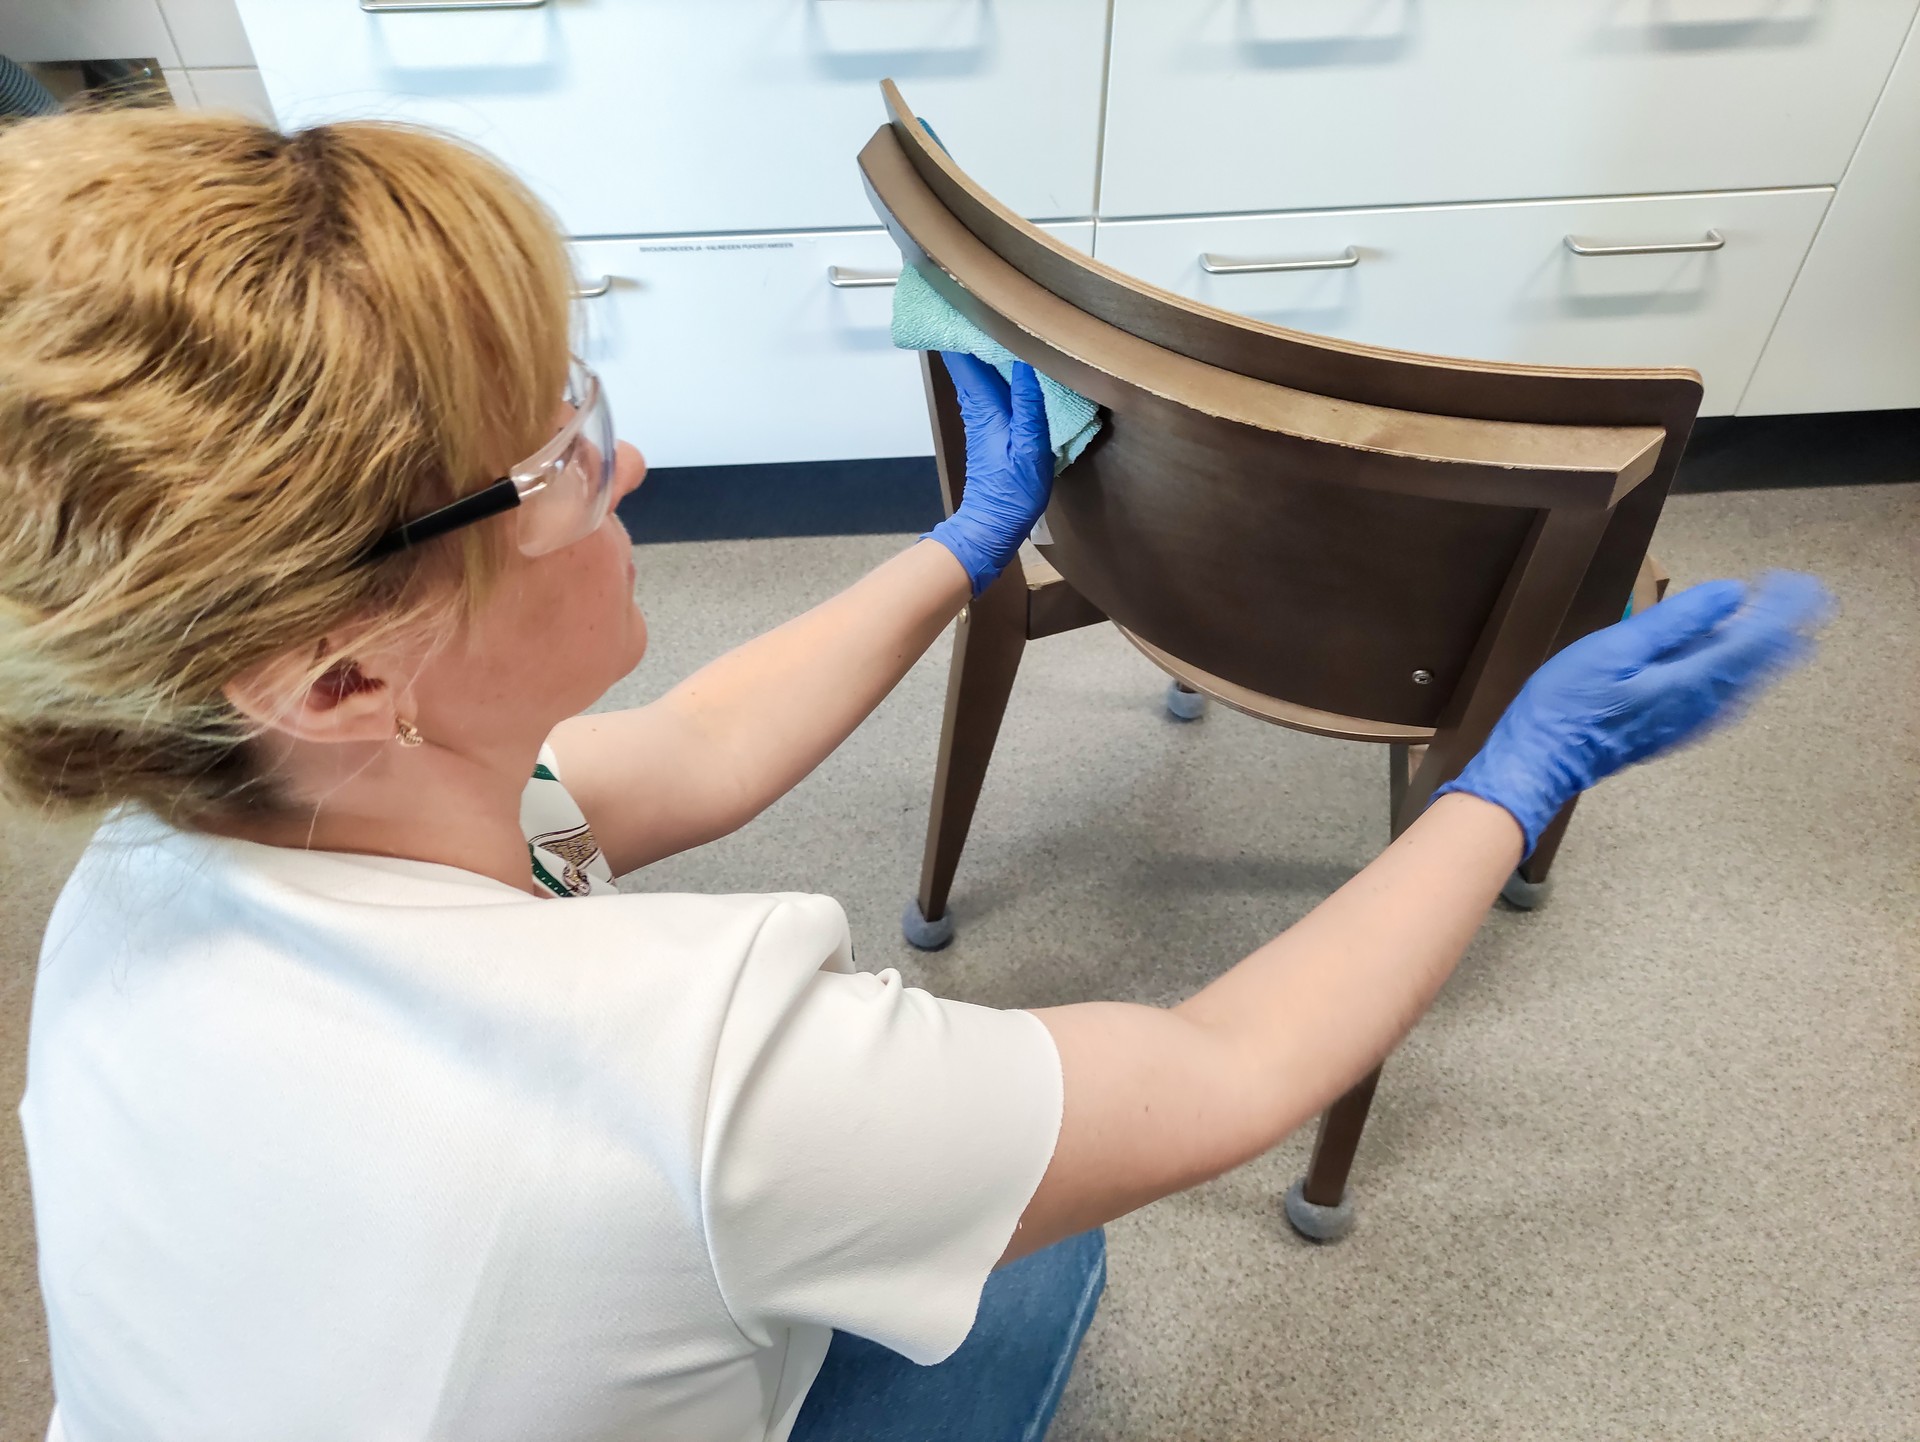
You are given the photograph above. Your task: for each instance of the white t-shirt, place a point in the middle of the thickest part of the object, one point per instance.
(339, 1147)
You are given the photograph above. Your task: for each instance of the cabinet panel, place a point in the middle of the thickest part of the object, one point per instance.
(685, 116)
(85, 30)
(1849, 335)
(239, 90)
(1246, 105)
(208, 33)
(1499, 282)
(737, 349)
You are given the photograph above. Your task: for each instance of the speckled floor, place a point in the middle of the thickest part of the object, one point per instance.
(1651, 1167)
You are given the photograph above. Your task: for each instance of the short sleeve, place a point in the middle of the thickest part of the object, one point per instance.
(869, 1147)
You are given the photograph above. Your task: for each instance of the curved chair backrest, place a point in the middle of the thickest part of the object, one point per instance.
(1369, 536)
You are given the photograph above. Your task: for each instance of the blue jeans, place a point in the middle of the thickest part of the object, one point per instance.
(1003, 1383)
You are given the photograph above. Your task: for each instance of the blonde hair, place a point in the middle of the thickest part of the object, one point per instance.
(229, 359)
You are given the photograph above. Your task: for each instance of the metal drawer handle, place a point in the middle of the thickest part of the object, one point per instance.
(846, 279)
(1713, 241)
(587, 290)
(1219, 265)
(378, 7)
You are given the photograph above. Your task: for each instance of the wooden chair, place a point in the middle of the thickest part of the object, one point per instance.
(1348, 540)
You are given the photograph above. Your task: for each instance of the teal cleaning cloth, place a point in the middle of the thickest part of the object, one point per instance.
(922, 320)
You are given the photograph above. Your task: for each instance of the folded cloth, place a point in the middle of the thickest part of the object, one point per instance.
(923, 320)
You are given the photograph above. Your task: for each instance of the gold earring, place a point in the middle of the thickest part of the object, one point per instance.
(406, 733)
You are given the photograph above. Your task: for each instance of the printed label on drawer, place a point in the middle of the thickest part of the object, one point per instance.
(670, 247)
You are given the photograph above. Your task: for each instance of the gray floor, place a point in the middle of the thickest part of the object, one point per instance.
(1650, 1168)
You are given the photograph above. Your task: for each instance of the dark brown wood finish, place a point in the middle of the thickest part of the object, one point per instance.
(1052, 605)
(1345, 539)
(987, 642)
(1665, 399)
(1336, 1142)
(1377, 375)
(986, 656)
(1563, 464)
(1517, 638)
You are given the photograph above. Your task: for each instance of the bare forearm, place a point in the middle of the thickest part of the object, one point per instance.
(731, 739)
(1158, 1101)
(771, 710)
(734, 737)
(1316, 1008)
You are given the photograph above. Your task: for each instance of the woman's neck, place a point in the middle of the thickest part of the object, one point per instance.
(427, 803)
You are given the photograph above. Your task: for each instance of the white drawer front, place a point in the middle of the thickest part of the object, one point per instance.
(640, 117)
(85, 30)
(1849, 335)
(208, 33)
(736, 349)
(1245, 105)
(1498, 282)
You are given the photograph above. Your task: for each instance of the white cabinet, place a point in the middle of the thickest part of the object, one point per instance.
(702, 152)
(208, 33)
(85, 30)
(1849, 337)
(738, 348)
(1243, 105)
(688, 116)
(1499, 281)
(237, 89)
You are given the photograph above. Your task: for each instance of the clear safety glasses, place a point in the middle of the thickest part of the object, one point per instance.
(562, 491)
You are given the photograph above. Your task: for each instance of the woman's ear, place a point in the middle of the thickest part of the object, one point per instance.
(354, 699)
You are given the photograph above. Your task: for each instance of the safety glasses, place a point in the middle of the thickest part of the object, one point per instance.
(562, 491)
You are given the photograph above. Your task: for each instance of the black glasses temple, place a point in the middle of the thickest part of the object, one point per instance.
(502, 495)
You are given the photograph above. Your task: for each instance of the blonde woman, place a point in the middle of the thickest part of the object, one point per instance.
(360, 1104)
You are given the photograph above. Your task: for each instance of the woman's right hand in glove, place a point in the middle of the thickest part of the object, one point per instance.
(1009, 466)
(1157, 1100)
(1637, 689)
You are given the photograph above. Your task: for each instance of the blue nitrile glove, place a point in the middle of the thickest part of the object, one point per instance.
(1637, 688)
(1009, 466)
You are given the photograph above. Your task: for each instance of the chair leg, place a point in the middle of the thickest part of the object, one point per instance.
(987, 643)
(1402, 763)
(1318, 1205)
